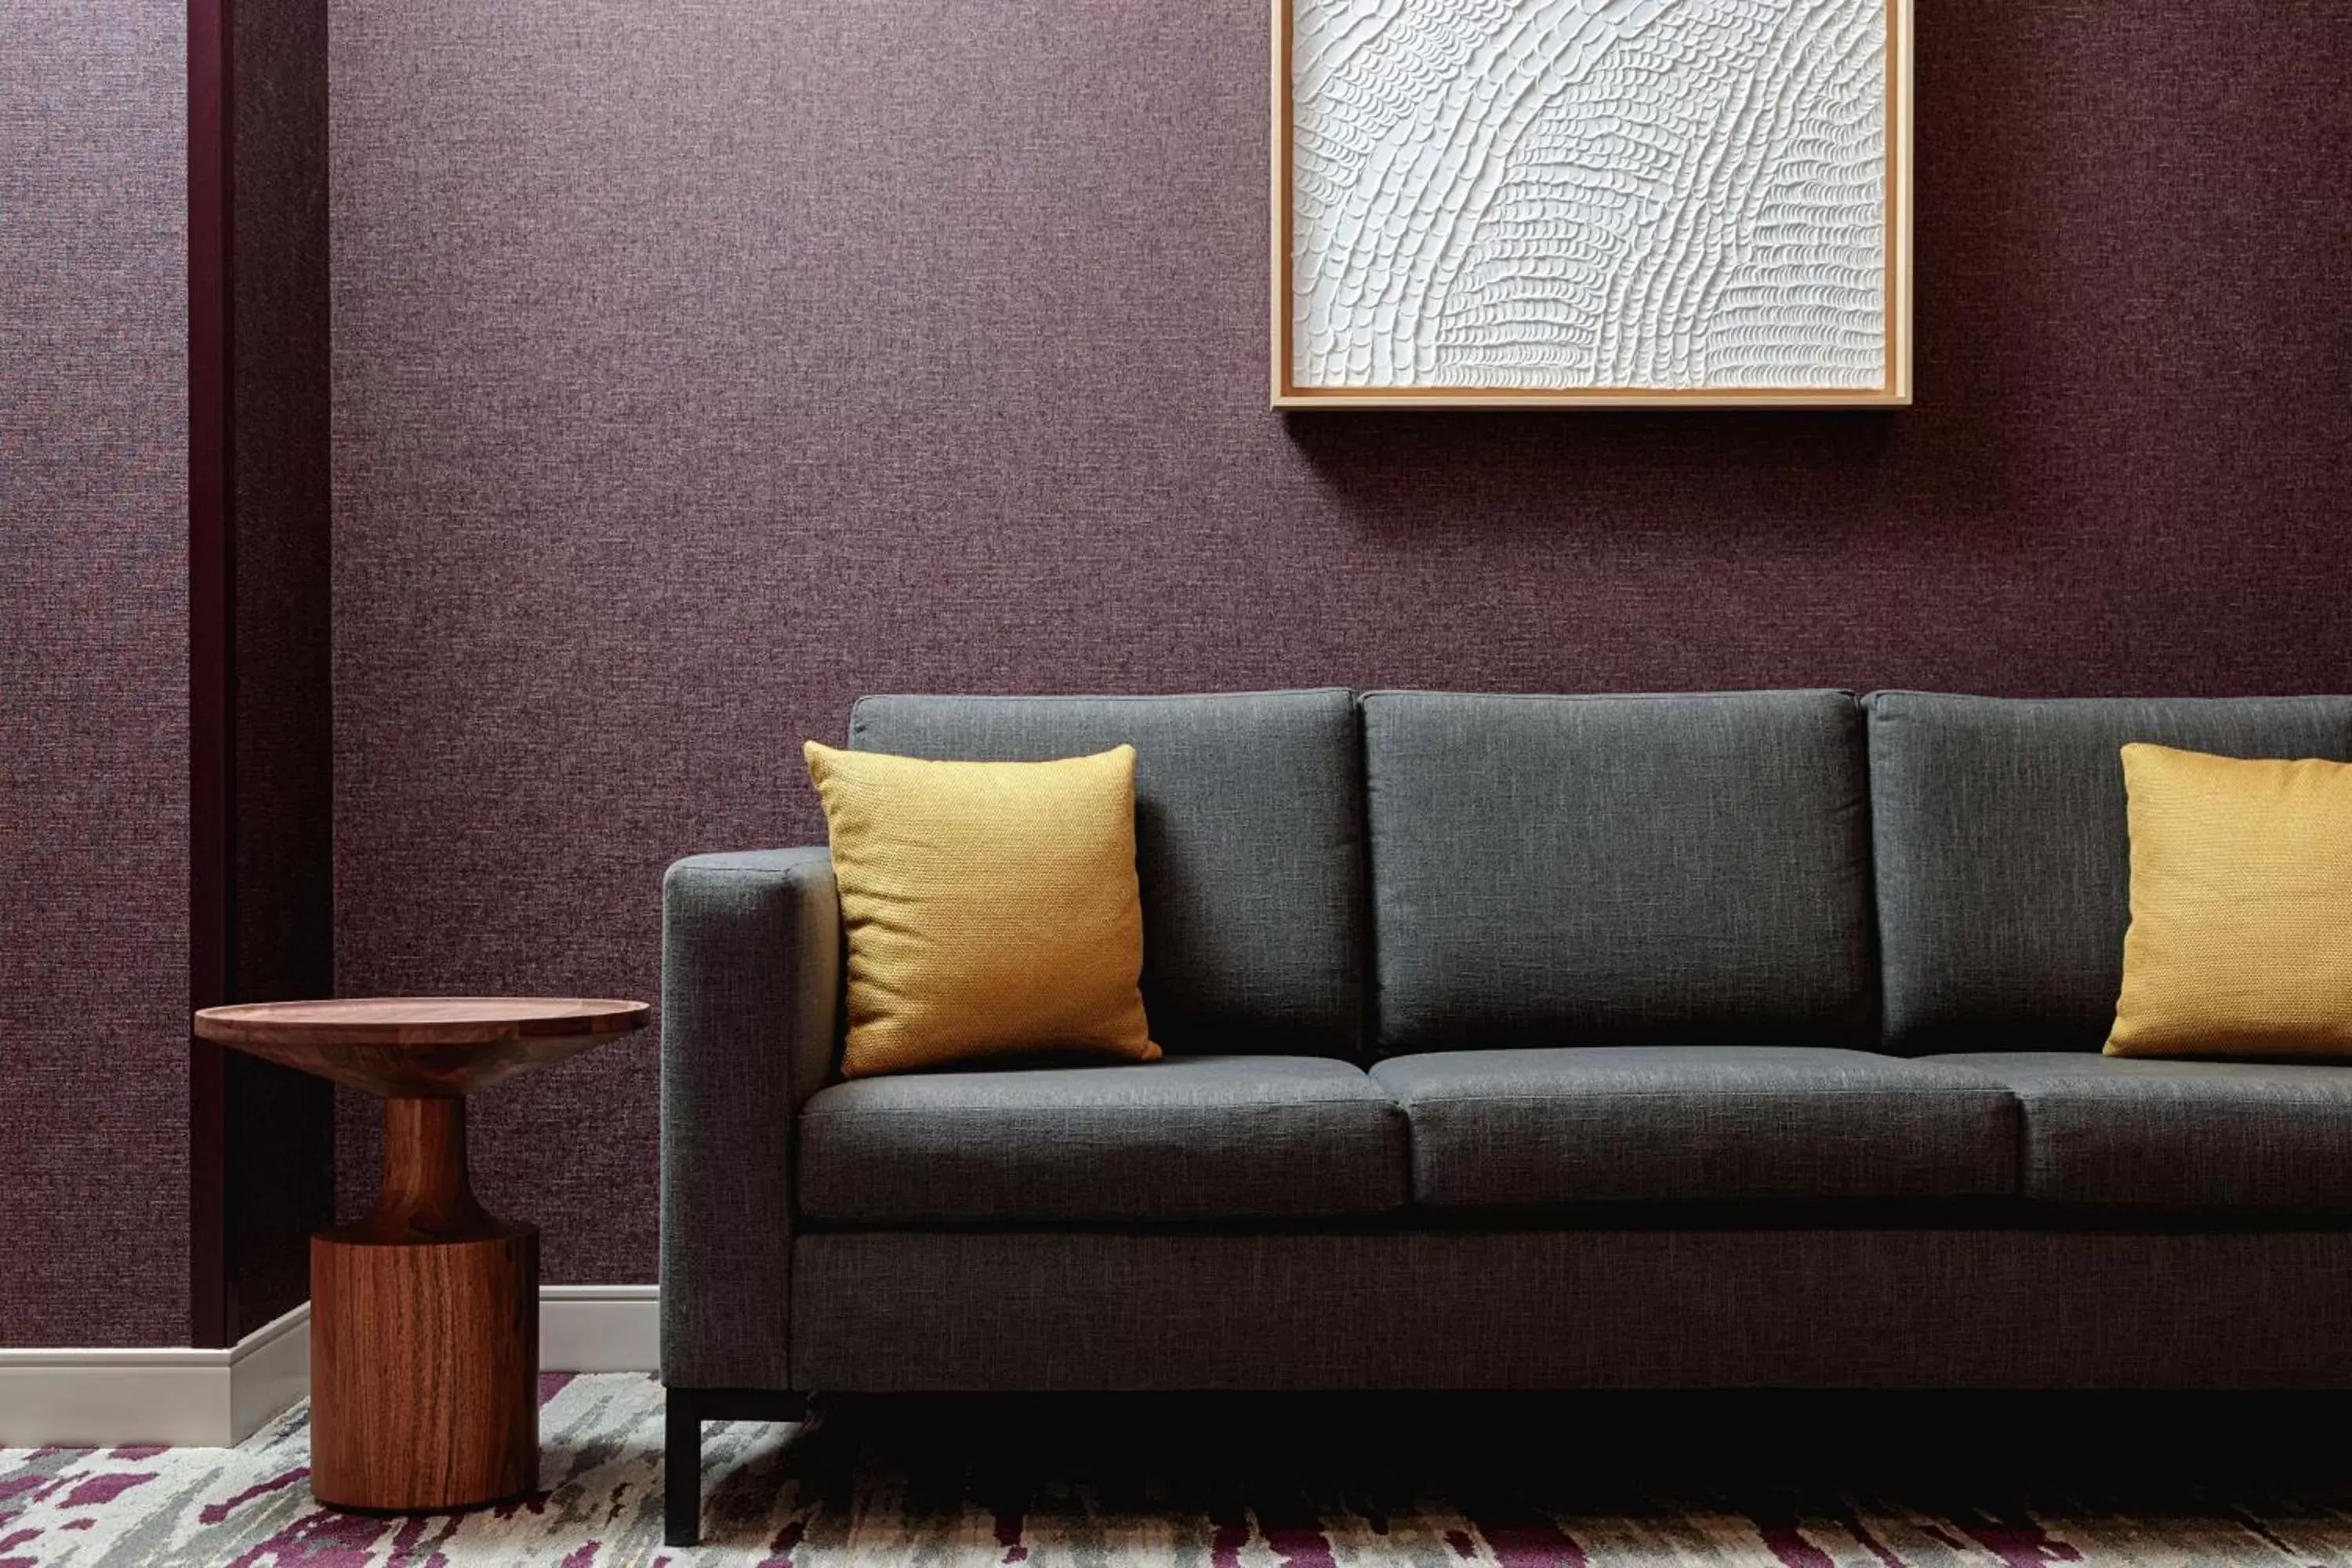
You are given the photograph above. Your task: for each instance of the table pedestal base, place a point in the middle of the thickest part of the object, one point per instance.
(424, 1336)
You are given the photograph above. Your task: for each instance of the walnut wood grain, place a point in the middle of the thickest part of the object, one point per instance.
(423, 1334)
(425, 1315)
(424, 1370)
(427, 1194)
(422, 1046)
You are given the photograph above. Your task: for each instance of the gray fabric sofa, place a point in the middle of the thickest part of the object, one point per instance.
(1728, 1040)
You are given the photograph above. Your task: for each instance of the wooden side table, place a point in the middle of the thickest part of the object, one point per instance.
(425, 1315)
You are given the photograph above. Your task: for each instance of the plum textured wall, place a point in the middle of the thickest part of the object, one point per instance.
(698, 367)
(93, 673)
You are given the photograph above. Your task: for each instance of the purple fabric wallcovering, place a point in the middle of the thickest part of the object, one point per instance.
(93, 674)
(700, 367)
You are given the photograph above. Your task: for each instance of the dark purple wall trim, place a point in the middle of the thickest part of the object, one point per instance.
(211, 418)
(280, 1155)
(261, 1167)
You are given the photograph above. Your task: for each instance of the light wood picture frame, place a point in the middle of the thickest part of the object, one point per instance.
(1593, 225)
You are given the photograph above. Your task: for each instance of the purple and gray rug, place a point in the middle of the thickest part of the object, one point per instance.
(837, 1492)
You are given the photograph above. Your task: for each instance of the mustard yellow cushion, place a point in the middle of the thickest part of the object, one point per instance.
(2241, 939)
(992, 908)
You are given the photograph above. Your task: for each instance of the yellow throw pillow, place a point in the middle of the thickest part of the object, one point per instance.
(992, 908)
(2241, 939)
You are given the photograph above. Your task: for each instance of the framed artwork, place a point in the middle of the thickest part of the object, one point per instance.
(1591, 202)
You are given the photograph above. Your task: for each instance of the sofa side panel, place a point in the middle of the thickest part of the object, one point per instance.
(750, 987)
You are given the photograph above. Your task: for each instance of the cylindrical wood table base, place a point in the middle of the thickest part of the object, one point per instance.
(424, 1336)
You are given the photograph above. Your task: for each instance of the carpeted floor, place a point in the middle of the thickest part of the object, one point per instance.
(1435, 1483)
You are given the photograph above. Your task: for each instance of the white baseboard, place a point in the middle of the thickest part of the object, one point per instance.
(268, 1374)
(216, 1398)
(600, 1327)
(186, 1397)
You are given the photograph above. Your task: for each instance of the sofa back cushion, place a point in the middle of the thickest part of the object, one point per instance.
(1682, 869)
(1249, 846)
(2004, 860)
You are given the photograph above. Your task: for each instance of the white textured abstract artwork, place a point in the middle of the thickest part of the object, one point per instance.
(1599, 197)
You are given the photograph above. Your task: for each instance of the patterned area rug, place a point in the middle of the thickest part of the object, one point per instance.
(1231, 1485)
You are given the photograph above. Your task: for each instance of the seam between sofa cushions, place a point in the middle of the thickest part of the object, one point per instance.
(1973, 1091)
(1410, 691)
(936, 1111)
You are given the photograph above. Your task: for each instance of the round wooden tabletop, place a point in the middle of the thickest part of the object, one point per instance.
(435, 1046)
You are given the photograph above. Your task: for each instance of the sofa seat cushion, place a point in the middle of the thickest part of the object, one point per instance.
(1710, 1124)
(2247, 1137)
(1203, 1138)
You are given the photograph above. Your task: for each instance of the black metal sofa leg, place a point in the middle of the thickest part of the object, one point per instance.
(684, 1410)
(681, 1468)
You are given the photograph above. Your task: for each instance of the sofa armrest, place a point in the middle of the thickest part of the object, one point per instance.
(751, 985)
